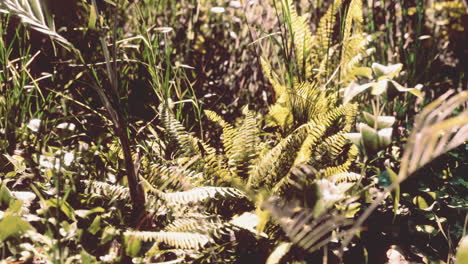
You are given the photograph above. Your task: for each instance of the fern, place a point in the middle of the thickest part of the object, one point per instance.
(346, 177)
(302, 227)
(171, 177)
(325, 29)
(181, 240)
(239, 155)
(354, 43)
(114, 192)
(194, 225)
(277, 163)
(198, 194)
(301, 36)
(187, 142)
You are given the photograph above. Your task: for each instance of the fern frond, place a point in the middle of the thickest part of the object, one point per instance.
(325, 30)
(345, 177)
(189, 144)
(114, 192)
(305, 152)
(229, 133)
(333, 145)
(307, 102)
(171, 177)
(181, 240)
(302, 227)
(278, 88)
(199, 194)
(109, 191)
(351, 157)
(245, 153)
(194, 225)
(239, 155)
(278, 161)
(301, 36)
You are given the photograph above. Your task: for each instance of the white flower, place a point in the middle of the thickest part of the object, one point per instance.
(217, 10)
(69, 126)
(34, 124)
(68, 158)
(48, 162)
(235, 4)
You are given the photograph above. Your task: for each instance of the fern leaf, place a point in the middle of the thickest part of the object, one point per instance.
(277, 163)
(109, 191)
(351, 156)
(181, 240)
(194, 225)
(239, 155)
(187, 142)
(301, 35)
(229, 133)
(278, 88)
(345, 177)
(325, 29)
(199, 194)
(354, 42)
(301, 226)
(171, 177)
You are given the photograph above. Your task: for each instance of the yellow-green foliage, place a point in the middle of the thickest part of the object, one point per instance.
(307, 111)
(245, 161)
(312, 92)
(446, 16)
(354, 43)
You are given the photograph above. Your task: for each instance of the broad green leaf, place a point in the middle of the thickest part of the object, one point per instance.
(132, 247)
(396, 193)
(355, 138)
(370, 138)
(363, 71)
(462, 252)
(85, 213)
(87, 258)
(388, 72)
(18, 162)
(423, 203)
(95, 225)
(5, 195)
(378, 122)
(92, 18)
(64, 206)
(15, 207)
(379, 87)
(12, 225)
(108, 234)
(385, 137)
(400, 88)
(352, 209)
(352, 90)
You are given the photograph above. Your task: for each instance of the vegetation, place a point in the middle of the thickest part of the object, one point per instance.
(276, 131)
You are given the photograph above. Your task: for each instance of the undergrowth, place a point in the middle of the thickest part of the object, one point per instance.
(233, 132)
